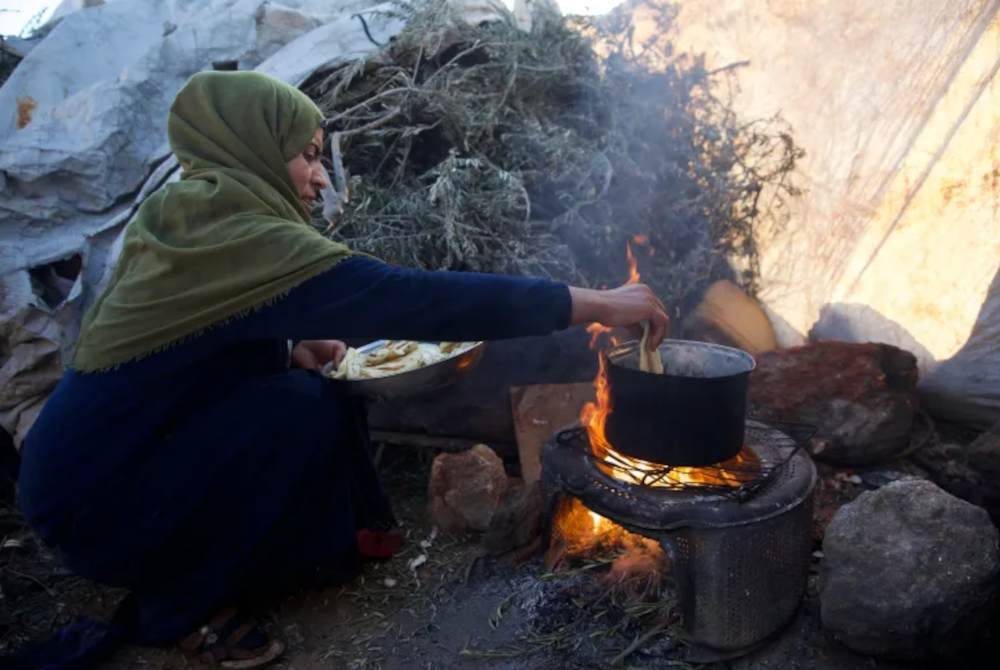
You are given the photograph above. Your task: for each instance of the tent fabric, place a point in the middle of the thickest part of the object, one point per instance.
(897, 237)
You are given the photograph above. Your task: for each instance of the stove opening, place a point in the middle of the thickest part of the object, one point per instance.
(626, 564)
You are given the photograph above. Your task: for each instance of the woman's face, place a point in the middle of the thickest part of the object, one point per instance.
(307, 171)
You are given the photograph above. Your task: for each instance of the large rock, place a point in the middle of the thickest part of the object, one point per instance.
(908, 570)
(466, 488)
(861, 397)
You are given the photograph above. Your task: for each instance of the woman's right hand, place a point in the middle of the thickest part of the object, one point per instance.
(626, 306)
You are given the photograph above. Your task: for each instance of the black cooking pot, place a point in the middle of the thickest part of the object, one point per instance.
(693, 414)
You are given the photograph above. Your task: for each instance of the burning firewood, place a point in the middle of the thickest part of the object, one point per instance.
(639, 571)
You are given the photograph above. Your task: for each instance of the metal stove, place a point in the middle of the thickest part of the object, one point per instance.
(739, 555)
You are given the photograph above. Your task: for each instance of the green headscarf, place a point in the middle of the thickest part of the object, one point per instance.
(229, 237)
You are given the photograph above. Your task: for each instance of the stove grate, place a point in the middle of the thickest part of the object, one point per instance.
(736, 481)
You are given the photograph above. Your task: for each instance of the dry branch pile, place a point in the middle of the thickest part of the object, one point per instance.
(489, 148)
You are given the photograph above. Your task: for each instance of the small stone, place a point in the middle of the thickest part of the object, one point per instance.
(466, 488)
(389, 582)
(908, 570)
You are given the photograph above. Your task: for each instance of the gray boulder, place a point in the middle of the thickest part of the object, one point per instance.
(908, 570)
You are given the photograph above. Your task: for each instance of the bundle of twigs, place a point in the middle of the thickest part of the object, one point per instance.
(490, 148)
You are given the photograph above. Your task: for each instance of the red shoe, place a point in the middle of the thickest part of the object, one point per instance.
(378, 544)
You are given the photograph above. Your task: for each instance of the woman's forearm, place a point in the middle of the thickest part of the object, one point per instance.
(366, 299)
(587, 306)
(362, 298)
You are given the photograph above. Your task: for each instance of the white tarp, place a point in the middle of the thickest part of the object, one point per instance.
(92, 99)
(897, 238)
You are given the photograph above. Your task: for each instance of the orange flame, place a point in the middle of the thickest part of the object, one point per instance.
(594, 415)
(578, 531)
(633, 265)
(596, 330)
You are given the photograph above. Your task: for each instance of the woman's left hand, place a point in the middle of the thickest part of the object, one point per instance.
(314, 354)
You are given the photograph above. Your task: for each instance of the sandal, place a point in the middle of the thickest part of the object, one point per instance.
(230, 640)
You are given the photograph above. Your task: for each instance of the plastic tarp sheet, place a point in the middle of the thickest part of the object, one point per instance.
(897, 237)
(85, 110)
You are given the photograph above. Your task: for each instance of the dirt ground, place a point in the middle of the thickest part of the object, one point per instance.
(441, 603)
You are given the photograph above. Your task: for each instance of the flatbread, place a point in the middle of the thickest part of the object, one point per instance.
(649, 361)
(396, 357)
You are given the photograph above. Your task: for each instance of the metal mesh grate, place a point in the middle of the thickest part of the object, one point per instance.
(737, 479)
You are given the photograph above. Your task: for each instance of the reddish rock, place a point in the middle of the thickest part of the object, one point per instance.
(466, 488)
(861, 397)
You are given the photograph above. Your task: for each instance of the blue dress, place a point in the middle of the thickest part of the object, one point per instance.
(210, 474)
